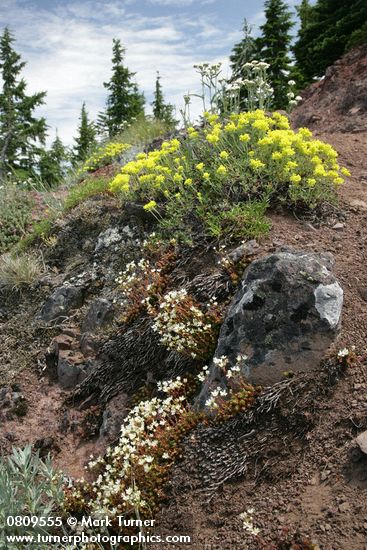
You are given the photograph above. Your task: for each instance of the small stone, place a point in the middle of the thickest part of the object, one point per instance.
(338, 226)
(325, 475)
(88, 344)
(314, 480)
(363, 292)
(357, 203)
(113, 416)
(62, 341)
(361, 441)
(70, 369)
(344, 507)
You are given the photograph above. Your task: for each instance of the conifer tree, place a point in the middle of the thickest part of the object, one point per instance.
(124, 101)
(161, 110)
(158, 103)
(52, 163)
(305, 13)
(102, 125)
(21, 133)
(274, 47)
(327, 30)
(86, 139)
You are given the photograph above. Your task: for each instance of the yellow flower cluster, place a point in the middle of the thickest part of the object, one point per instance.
(253, 149)
(151, 171)
(103, 156)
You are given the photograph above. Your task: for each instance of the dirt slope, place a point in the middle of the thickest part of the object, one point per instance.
(338, 102)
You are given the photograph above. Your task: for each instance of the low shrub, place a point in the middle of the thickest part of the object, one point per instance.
(222, 176)
(145, 279)
(15, 215)
(29, 486)
(40, 231)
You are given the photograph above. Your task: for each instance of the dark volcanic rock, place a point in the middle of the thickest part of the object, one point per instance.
(100, 313)
(61, 302)
(71, 369)
(284, 316)
(116, 410)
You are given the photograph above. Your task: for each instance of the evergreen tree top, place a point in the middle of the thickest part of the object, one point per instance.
(21, 132)
(124, 101)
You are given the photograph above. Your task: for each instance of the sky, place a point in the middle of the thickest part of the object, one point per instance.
(68, 45)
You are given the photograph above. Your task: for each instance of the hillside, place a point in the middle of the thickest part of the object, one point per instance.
(338, 102)
(92, 336)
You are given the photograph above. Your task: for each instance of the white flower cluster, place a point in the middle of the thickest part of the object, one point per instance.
(259, 90)
(136, 448)
(212, 402)
(167, 386)
(343, 353)
(203, 374)
(225, 262)
(256, 65)
(208, 70)
(221, 362)
(232, 372)
(133, 274)
(293, 100)
(248, 522)
(180, 329)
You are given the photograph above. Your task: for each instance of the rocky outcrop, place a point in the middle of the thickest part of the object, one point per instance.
(59, 305)
(337, 102)
(283, 317)
(100, 313)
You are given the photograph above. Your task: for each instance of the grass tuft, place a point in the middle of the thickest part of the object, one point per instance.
(19, 271)
(85, 190)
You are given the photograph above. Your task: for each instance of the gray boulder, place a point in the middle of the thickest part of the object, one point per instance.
(284, 316)
(61, 302)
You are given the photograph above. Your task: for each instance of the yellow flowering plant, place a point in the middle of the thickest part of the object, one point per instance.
(107, 154)
(248, 157)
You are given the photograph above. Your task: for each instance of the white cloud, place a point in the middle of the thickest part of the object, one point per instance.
(181, 3)
(68, 50)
